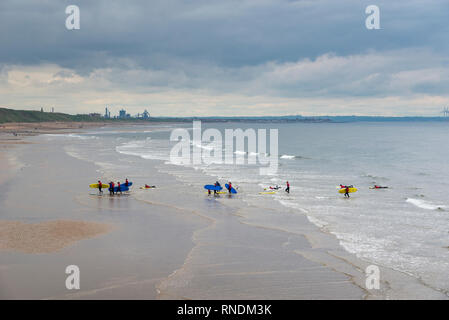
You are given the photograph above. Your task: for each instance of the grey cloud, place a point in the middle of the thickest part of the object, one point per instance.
(278, 49)
(226, 33)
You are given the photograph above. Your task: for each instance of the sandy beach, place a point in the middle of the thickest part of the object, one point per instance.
(152, 245)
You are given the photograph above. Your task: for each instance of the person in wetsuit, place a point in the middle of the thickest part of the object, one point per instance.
(111, 188)
(229, 186)
(100, 186)
(217, 184)
(288, 188)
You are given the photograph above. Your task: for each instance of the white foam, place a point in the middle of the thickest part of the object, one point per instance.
(286, 156)
(425, 204)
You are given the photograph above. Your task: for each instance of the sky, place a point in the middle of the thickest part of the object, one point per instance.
(226, 58)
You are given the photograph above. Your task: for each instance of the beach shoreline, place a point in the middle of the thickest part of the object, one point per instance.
(321, 262)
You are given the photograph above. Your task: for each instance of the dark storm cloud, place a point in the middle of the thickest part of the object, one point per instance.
(157, 34)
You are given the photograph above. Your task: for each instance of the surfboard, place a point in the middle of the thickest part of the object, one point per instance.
(212, 187)
(219, 192)
(268, 192)
(95, 185)
(232, 188)
(122, 188)
(351, 190)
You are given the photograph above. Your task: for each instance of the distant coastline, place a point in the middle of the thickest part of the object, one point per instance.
(29, 116)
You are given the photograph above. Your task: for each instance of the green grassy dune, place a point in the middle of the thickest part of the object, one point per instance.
(9, 115)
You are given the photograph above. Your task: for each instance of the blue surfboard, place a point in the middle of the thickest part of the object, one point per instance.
(129, 184)
(232, 188)
(212, 187)
(122, 188)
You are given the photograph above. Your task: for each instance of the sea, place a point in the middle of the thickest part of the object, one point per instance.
(404, 227)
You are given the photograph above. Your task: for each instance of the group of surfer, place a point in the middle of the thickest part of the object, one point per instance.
(347, 188)
(113, 189)
(217, 184)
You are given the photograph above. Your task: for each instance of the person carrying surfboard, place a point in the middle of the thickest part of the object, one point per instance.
(119, 189)
(347, 191)
(126, 182)
(288, 188)
(100, 186)
(111, 188)
(217, 184)
(229, 186)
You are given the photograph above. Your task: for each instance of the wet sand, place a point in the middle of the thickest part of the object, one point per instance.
(51, 219)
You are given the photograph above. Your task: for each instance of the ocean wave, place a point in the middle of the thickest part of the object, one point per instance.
(140, 148)
(292, 205)
(71, 135)
(291, 157)
(372, 176)
(425, 204)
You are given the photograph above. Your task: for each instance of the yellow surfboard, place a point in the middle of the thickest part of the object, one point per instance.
(95, 185)
(351, 190)
(268, 192)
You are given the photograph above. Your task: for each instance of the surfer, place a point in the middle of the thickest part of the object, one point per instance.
(379, 187)
(288, 188)
(100, 186)
(217, 184)
(229, 186)
(111, 188)
(126, 182)
(347, 191)
(119, 188)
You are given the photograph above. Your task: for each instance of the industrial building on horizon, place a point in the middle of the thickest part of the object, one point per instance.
(124, 115)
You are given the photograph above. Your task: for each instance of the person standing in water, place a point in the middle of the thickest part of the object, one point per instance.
(347, 191)
(229, 186)
(126, 183)
(217, 184)
(100, 186)
(111, 188)
(119, 188)
(288, 188)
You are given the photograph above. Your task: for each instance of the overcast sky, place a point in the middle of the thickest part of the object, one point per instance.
(245, 57)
